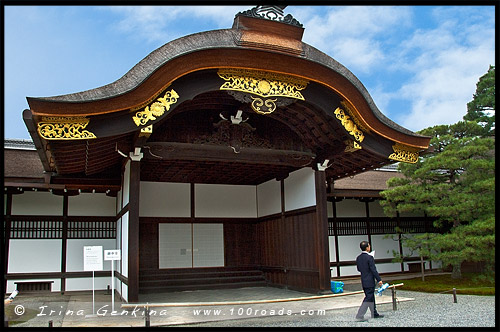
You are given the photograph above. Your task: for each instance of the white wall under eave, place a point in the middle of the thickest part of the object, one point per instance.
(30, 256)
(350, 208)
(269, 198)
(300, 189)
(37, 203)
(376, 209)
(124, 244)
(87, 204)
(74, 253)
(161, 199)
(383, 247)
(126, 184)
(225, 201)
(349, 246)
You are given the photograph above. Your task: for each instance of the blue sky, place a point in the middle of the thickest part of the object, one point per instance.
(420, 64)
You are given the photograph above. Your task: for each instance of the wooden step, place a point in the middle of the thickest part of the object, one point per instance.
(202, 278)
(145, 290)
(199, 281)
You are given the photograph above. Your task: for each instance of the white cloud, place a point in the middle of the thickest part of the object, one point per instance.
(161, 23)
(352, 34)
(450, 60)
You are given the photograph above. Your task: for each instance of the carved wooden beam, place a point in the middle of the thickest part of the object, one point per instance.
(207, 152)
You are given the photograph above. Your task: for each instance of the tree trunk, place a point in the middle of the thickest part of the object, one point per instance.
(422, 267)
(456, 273)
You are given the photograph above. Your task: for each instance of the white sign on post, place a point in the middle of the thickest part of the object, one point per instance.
(92, 261)
(92, 258)
(112, 255)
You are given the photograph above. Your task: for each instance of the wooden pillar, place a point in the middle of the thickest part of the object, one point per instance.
(336, 235)
(8, 221)
(64, 242)
(368, 230)
(133, 231)
(322, 247)
(284, 256)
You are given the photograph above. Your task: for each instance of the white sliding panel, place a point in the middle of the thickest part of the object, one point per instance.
(175, 244)
(208, 245)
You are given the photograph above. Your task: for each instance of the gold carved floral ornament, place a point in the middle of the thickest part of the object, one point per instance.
(351, 146)
(262, 86)
(156, 109)
(404, 153)
(64, 128)
(349, 125)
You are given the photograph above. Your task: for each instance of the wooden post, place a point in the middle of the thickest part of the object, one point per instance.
(133, 232)
(454, 295)
(64, 242)
(322, 247)
(394, 307)
(8, 223)
(147, 318)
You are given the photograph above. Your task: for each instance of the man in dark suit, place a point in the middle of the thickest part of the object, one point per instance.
(366, 265)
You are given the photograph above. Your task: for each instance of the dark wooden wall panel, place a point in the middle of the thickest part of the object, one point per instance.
(239, 245)
(148, 246)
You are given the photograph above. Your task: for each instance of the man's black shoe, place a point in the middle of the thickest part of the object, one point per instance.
(361, 319)
(378, 316)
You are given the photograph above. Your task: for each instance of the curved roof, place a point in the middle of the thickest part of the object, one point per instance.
(193, 64)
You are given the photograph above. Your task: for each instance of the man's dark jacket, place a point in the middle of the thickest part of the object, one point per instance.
(366, 265)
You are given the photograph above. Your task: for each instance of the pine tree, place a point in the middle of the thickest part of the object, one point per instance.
(482, 107)
(455, 182)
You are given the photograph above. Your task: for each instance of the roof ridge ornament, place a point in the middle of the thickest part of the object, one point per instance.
(273, 13)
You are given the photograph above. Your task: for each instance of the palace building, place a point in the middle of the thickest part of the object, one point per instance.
(227, 158)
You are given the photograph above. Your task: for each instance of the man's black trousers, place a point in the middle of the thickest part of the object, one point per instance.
(368, 302)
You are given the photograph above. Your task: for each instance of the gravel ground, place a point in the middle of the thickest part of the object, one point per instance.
(427, 310)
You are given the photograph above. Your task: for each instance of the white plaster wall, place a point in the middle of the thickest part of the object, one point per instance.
(225, 201)
(349, 246)
(87, 204)
(55, 287)
(300, 189)
(331, 248)
(388, 267)
(34, 256)
(350, 208)
(124, 293)
(78, 284)
(118, 242)
(269, 198)
(124, 245)
(37, 203)
(346, 271)
(160, 199)
(119, 202)
(375, 209)
(74, 253)
(126, 183)
(329, 208)
(381, 246)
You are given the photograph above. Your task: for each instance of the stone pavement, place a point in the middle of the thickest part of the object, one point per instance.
(76, 309)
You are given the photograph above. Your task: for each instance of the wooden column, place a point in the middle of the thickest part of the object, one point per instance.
(336, 236)
(8, 221)
(368, 230)
(64, 242)
(322, 247)
(133, 231)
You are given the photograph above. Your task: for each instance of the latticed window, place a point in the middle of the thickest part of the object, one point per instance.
(29, 227)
